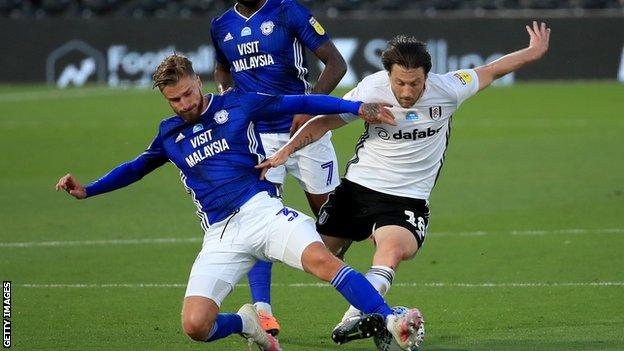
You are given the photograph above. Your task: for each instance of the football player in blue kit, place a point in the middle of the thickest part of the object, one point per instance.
(260, 47)
(212, 140)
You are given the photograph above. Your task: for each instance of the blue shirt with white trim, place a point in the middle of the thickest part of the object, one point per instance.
(216, 156)
(265, 51)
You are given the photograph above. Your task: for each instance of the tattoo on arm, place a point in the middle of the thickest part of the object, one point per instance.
(307, 140)
(371, 110)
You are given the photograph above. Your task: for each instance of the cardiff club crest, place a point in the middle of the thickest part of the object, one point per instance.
(221, 116)
(267, 27)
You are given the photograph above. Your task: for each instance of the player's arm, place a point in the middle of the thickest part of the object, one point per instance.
(324, 104)
(121, 176)
(538, 45)
(223, 77)
(335, 68)
(312, 131)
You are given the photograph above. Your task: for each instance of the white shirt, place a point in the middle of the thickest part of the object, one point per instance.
(405, 160)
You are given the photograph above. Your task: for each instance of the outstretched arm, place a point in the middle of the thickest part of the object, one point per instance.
(323, 104)
(312, 131)
(121, 176)
(538, 45)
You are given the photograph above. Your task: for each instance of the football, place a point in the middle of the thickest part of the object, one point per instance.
(385, 341)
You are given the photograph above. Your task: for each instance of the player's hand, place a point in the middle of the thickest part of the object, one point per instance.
(539, 37)
(276, 160)
(70, 184)
(298, 121)
(375, 113)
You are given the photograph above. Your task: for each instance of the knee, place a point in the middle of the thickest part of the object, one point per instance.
(321, 263)
(197, 327)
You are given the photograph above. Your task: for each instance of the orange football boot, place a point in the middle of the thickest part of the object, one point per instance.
(269, 323)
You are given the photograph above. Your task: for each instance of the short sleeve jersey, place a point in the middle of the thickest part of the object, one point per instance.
(265, 51)
(406, 159)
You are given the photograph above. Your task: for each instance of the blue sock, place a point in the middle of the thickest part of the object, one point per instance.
(260, 282)
(226, 324)
(359, 292)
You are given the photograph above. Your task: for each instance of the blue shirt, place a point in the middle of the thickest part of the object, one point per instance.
(216, 156)
(265, 51)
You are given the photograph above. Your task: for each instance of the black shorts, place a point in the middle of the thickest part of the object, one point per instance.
(354, 212)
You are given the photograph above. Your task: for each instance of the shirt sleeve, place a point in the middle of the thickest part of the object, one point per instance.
(263, 106)
(351, 95)
(131, 171)
(219, 55)
(461, 84)
(305, 26)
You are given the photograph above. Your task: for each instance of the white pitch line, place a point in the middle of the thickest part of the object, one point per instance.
(326, 285)
(57, 94)
(102, 242)
(532, 232)
(61, 243)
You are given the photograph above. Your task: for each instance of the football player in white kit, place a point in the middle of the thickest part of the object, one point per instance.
(384, 194)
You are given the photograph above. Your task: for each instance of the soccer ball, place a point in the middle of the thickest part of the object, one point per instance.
(385, 341)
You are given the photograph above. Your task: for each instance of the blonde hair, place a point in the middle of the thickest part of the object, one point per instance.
(173, 68)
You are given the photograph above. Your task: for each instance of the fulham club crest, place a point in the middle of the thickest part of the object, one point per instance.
(435, 112)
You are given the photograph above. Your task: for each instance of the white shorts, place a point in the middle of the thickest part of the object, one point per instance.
(315, 166)
(263, 229)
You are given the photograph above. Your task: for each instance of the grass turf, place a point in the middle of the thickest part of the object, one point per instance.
(544, 157)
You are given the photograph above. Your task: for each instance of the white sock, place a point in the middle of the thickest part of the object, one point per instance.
(264, 307)
(381, 278)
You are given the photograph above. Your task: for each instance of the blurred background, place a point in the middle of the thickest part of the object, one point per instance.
(524, 248)
(331, 8)
(119, 42)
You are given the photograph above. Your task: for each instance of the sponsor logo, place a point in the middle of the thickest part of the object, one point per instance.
(221, 116)
(267, 27)
(411, 116)
(382, 133)
(245, 32)
(180, 137)
(197, 128)
(228, 37)
(464, 77)
(407, 135)
(77, 63)
(435, 112)
(317, 26)
(415, 134)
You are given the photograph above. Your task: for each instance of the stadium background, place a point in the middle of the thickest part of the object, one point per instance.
(525, 246)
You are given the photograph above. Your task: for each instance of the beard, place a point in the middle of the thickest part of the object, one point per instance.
(192, 115)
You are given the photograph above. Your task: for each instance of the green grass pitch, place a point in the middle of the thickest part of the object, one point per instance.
(525, 250)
